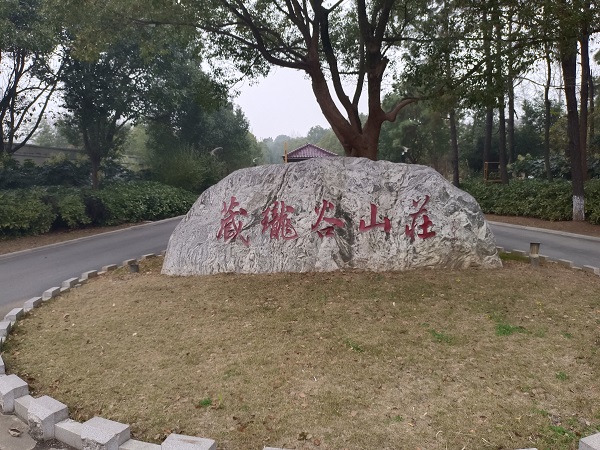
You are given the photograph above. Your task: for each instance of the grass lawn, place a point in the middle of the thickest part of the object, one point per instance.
(472, 359)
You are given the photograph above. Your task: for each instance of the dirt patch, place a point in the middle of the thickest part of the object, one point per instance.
(499, 359)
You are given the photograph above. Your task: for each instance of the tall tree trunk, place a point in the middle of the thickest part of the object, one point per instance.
(501, 86)
(592, 109)
(489, 82)
(568, 60)
(547, 115)
(454, 146)
(502, 141)
(584, 41)
(510, 125)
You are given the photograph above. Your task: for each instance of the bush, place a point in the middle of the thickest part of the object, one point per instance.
(24, 212)
(136, 201)
(534, 198)
(37, 210)
(186, 169)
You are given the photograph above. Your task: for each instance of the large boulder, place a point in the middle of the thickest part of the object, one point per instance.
(328, 214)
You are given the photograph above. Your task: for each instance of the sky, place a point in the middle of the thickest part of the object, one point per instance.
(281, 103)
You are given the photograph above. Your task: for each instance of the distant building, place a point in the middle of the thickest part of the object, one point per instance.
(308, 151)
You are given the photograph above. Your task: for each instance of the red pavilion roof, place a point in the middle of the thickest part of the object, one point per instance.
(309, 151)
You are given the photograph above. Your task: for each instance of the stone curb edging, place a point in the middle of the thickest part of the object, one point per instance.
(561, 262)
(48, 418)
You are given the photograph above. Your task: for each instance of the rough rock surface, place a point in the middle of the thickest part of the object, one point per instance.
(328, 214)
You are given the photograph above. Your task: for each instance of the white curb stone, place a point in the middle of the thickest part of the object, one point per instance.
(592, 269)
(148, 256)
(132, 444)
(33, 302)
(22, 406)
(11, 388)
(182, 442)
(43, 414)
(519, 252)
(14, 314)
(70, 283)
(109, 268)
(69, 432)
(50, 293)
(127, 262)
(103, 434)
(5, 327)
(89, 274)
(590, 443)
(565, 263)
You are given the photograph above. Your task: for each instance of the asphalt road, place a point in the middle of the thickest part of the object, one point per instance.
(27, 274)
(582, 250)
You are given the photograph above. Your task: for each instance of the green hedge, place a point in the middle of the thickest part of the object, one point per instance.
(136, 201)
(38, 210)
(534, 198)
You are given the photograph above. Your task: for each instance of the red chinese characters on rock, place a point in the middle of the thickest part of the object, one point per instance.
(423, 229)
(326, 229)
(276, 219)
(386, 224)
(231, 225)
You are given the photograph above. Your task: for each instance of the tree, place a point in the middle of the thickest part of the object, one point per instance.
(28, 78)
(102, 97)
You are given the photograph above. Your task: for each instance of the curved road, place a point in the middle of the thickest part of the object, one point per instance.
(27, 274)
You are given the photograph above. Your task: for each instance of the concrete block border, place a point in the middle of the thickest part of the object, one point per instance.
(560, 262)
(47, 418)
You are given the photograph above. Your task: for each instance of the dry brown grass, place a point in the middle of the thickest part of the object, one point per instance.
(474, 359)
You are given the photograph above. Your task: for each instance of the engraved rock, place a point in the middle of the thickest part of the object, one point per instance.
(328, 214)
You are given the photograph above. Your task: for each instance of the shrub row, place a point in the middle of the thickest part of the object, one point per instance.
(534, 198)
(58, 172)
(40, 209)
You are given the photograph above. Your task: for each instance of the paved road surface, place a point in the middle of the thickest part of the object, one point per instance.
(27, 274)
(582, 250)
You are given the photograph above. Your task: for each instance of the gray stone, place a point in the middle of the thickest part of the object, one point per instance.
(70, 283)
(132, 444)
(182, 442)
(50, 293)
(148, 256)
(69, 432)
(22, 406)
(103, 434)
(11, 388)
(64, 289)
(43, 414)
(592, 269)
(5, 327)
(590, 443)
(128, 262)
(89, 275)
(328, 214)
(32, 303)
(2, 366)
(565, 263)
(14, 314)
(109, 268)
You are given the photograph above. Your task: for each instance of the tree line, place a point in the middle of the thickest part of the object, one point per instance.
(446, 56)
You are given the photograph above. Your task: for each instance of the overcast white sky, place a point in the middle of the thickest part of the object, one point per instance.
(281, 103)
